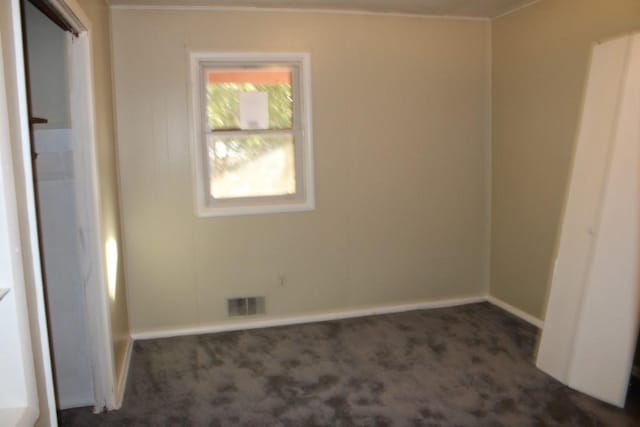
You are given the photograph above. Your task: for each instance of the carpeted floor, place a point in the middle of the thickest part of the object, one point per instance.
(461, 366)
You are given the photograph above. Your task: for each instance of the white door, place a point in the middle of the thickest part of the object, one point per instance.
(47, 47)
(591, 325)
(18, 398)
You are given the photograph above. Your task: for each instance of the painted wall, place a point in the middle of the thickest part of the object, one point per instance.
(540, 63)
(98, 13)
(400, 112)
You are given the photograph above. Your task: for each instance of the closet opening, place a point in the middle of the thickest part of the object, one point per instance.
(65, 181)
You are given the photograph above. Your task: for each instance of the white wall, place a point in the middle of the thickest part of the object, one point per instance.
(64, 281)
(400, 113)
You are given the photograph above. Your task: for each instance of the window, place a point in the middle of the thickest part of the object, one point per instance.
(252, 150)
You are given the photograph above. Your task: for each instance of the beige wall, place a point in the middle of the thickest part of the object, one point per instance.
(400, 112)
(540, 62)
(98, 13)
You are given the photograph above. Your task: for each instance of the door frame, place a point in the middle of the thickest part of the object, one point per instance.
(87, 187)
(18, 369)
(91, 233)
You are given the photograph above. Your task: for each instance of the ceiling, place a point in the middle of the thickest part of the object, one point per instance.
(462, 8)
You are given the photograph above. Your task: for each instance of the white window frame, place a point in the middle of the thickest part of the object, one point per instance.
(304, 199)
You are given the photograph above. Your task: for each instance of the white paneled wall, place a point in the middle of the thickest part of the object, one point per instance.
(401, 191)
(65, 293)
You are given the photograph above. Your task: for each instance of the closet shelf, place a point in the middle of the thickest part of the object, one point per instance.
(38, 120)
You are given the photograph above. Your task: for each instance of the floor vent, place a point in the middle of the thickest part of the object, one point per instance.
(245, 306)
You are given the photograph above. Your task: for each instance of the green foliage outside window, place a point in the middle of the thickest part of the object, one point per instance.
(228, 153)
(224, 104)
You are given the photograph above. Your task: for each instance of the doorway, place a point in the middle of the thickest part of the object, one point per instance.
(47, 75)
(61, 152)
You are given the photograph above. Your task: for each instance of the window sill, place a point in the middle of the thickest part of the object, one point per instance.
(207, 211)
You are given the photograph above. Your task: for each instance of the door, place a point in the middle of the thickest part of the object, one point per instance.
(46, 47)
(591, 325)
(18, 394)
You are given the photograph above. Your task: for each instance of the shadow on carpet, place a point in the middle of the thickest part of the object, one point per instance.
(461, 366)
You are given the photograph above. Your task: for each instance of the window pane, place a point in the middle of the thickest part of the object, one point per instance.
(226, 104)
(251, 165)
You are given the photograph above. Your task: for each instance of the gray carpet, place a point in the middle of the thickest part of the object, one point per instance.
(462, 366)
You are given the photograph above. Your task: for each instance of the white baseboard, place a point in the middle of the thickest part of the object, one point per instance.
(321, 317)
(124, 374)
(309, 318)
(79, 402)
(538, 323)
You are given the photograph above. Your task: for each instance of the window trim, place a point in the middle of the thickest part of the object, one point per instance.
(304, 200)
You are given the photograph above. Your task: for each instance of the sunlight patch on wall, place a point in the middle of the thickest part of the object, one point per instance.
(112, 266)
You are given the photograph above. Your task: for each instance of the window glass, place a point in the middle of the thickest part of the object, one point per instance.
(251, 165)
(252, 149)
(229, 98)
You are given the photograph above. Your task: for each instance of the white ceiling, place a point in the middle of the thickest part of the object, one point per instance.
(463, 8)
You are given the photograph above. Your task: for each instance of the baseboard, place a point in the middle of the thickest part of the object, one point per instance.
(124, 374)
(310, 318)
(538, 323)
(75, 403)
